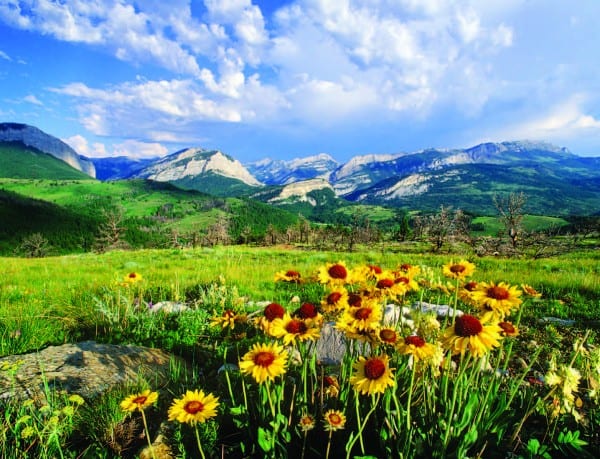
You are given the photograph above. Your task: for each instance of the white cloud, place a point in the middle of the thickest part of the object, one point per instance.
(4, 56)
(32, 100)
(131, 148)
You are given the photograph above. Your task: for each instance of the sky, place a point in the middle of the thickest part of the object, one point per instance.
(283, 79)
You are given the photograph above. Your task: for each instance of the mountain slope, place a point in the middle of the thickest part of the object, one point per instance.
(20, 161)
(280, 172)
(35, 138)
(119, 167)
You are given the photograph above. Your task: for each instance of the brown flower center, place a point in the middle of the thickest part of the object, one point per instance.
(374, 368)
(416, 341)
(334, 419)
(362, 313)
(132, 275)
(401, 280)
(388, 336)
(457, 269)
(140, 399)
(307, 311)
(507, 328)
(292, 273)
(497, 293)
(467, 325)
(193, 407)
(375, 269)
(333, 297)
(385, 283)
(274, 311)
(264, 359)
(337, 272)
(405, 267)
(296, 327)
(470, 286)
(354, 300)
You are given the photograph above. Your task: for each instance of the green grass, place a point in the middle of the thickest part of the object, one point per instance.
(494, 226)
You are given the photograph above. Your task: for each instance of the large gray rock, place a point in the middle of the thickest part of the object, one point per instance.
(87, 368)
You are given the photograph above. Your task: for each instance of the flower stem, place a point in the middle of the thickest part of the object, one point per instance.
(198, 441)
(147, 434)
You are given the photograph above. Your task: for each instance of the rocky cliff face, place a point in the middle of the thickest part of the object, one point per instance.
(35, 138)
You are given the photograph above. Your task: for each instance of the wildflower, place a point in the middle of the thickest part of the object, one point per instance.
(508, 329)
(194, 407)
(388, 287)
(567, 379)
(460, 270)
(291, 329)
(334, 273)
(372, 375)
(306, 423)
(77, 399)
(334, 420)
(227, 319)
(335, 301)
(387, 335)
(139, 401)
(417, 347)
(406, 282)
(530, 291)
(288, 276)
(468, 332)
(366, 317)
(272, 311)
(408, 270)
(133, 278)
(27, 432)
(310, 313)
(332, 386)
(498, 298)
(264, 361)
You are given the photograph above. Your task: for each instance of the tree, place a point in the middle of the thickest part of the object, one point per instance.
(442, 227)
(511, 213)
(110, 231)
(34, 246)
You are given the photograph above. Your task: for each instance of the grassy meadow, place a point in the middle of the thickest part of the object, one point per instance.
(521, 399)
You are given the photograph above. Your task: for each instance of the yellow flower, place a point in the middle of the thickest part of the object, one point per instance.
(264, 361)
(468, 332)
(460, 270)
(334, 274)
(417, 347)
(530, 291)
(498, 298)
(133, 278)
(193, 407)
(139, 401)
(27, 432)
(508, 329)
(227, 319)
(77, 399)
(306, 423)
(334, 420)
(372, 375)
(271, 312)
(335, 301)
(365, 317)
(387, 335)
(288, 276)
(291, 329)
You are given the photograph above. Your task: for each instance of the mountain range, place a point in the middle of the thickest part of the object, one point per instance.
(555, 181)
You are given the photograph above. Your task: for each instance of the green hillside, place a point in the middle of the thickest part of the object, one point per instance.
(151, 212)
(20, 161)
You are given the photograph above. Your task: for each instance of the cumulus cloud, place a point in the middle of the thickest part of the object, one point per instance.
(4, 56)
(32, 100)
(131, 148)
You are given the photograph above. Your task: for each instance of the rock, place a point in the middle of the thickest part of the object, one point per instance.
(441, 310)
(168, 307)
(331, 346)
(557, 321)
(87, 369)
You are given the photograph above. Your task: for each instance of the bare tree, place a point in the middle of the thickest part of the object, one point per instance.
(110, 231)
(34, 246)
(218, 232)
(442, 227)
(511, 212)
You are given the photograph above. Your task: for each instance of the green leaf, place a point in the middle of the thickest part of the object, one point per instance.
(264, 439)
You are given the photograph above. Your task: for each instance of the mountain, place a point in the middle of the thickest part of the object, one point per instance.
(210, 171)
(18, 161)
(33, 137)
(280, 172)
(119, 167)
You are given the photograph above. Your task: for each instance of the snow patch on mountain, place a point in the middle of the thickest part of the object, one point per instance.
(298, 191)
(412, 185)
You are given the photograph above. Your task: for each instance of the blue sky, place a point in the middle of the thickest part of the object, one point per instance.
(293, 78)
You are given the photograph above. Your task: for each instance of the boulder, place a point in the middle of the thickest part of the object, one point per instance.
(87, 369)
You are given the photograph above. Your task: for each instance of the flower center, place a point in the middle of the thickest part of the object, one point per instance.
(385, 283)
(132, 275)
(457, 269)
(274, 311)
(296, 327)
(416, 341)
(375, 269)
(467, 325)
(405, 267)
(140, 400)
(307, 311)
(354, 300)
(497, 293)
(507, 328)
(337, 272)
(193, 407)
(362, 313)
(334, 419)
(292, 273)
(264, 359)
(333, 298)
(470, 286)
(387, 335)
(402, 279)
(374, 368)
